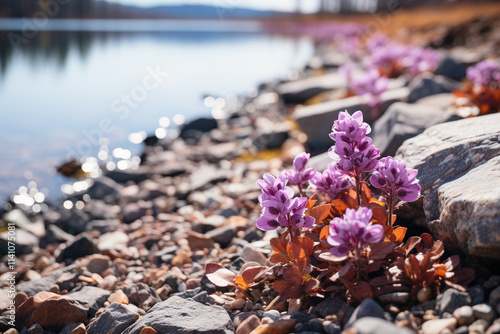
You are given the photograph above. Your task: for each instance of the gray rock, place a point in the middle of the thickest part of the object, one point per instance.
(451, 68)
(73, 328)
(494, 328)
(476, 294)
(296, 92)
(197, 126)
(484, 311)
(103, 226)
(426, 85)
(19, 219)
(439, 101)
(133, 211)
(81, 246)
(36, 329)
(206, 175)
(65, 278)
(403, 121)
(367, 308)
(178, 315)
(25, 241)
(316, 121)
(464, 315)
(450, 300)
(142, 295)
(395, 298)
(135, 175)
(370, 325)
(55, 235)
(273, 314)
(334, 306)
(459, 171)
(478, 326)
(113, 319)
(92, 295)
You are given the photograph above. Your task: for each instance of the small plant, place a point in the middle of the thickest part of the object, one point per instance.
(342, 240)
(482, 94)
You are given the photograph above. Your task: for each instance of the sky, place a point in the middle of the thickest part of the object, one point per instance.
(280, 5)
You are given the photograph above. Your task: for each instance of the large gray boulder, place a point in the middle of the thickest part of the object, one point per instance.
(427, 84)
(179, 315)
(459, 171)
(403, 121)
(316, 121)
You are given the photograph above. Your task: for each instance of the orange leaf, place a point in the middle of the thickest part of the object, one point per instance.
(338, 208)
(325, 232)
(311, 202)
(240, 282)
(320, 212)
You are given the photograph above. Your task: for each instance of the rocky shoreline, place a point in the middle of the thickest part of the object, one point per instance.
(132, 258)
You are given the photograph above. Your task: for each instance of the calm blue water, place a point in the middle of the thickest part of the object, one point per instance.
(61, 90)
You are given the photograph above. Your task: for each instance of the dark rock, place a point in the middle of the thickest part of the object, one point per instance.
(135, 175)
(459, 171)
(403, 121)
(200, 125)
(367, 308)
(77, 328)
(451, 68)
(93, 296)
(370, 325)
(54, 235)
(314, 326)
(450, 300)
(332, 328)
(222, 235)
(476, 294)
(36, 329)
(55, 314)
(394, 298)
(270, 140)
(113, 319)
(228, 212)
(178, 315)
(299, 317)
(426, 85)
(104, 186)
(141, 295)
(81, 246)
(334, 306)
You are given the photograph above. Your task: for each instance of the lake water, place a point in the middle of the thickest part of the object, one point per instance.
(61, 90)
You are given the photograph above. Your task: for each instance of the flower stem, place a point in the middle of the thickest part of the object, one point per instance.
(301, 190)
(359, 183)
(390, 208)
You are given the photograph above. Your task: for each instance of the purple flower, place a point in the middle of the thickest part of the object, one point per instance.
(332, 181)
(353, 151)
(271, 184)
(371, 84)
(394, 179)
(299, 175)
(421, 60)
(279, 208)
(375, 42)
(353, 232)
(484, 73)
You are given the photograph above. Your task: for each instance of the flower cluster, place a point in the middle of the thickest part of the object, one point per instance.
(279, 208)
(353, 232)
(300, 175)
(392, 177)
(353, 151)
(332, 181)
(372, 84)
(421, 60)
(484, 73)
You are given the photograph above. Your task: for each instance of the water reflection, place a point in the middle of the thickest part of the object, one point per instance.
(56, 90)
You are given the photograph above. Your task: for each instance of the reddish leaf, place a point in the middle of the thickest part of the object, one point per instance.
(411, 243)
(219, 275)
(379, 250)
(251, 275)
(320, 212)
(327, 256)
(240, 282)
